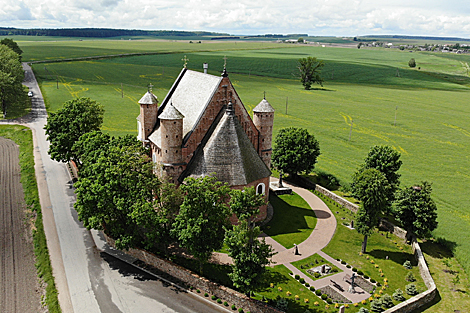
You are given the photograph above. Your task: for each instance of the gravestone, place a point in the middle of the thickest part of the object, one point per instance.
(323, 269)
(342, 309)
(352, 224)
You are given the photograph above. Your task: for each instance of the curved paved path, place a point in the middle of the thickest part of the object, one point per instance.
(318, 239)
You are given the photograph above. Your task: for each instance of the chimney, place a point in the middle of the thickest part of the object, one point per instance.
(205, 66)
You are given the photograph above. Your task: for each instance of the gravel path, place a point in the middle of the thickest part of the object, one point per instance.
(19, 287)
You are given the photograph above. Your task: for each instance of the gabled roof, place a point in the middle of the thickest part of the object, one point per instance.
(190, 95)
(264, 107)
(228, 152)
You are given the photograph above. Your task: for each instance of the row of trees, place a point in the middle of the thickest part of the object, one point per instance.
(118, 192)
(376, 185)
(11, 74)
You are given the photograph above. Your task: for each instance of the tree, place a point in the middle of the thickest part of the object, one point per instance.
(295, 151)
(245, 203)
(300, 40)
(250, 256)
(386, 160)
(387, 301)
(309, 71)
(412, 62)
(371, 187)
(13, 46)
(416, 210)
(64, 128)
(203, 217)
(11, 78)
(115, 182)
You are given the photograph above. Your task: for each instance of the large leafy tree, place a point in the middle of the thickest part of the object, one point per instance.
(416, 210)
(203, 217)
(371, 187)
(245, 203)
(310, 71)
(386, 160)
(67, 125)
(295, 151)
(10, 43)
(11, 78)
(249, 254)
(115, 181)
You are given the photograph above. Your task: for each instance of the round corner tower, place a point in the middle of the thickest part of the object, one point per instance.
(263, 118)
(171, 127)
(148, 115)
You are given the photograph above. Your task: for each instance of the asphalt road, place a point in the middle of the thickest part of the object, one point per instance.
(88, 279)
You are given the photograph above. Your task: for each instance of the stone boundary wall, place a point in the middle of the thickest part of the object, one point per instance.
(418, 300)
(198, 282)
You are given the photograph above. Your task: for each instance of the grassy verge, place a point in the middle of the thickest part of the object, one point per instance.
(293, 221)
(23, 137)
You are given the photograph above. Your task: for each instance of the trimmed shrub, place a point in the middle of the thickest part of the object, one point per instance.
(379, 284)
(234, 307)
(348, 266)
(360, 272)
(387, 302)
(318, 292)
(219, 301)
(324, 297)
(376, 306)
(312, 288)
(411, 289)
(297, 277)
(240, 310)
(373, 281)
(198, 291)
(214, 297)
(307, 285)
(398, 295)
(316, 275)
(225, 303)
(302, 281)
(343, 262)
(354, 269)
(363, 310)
(366, 276)
(407, 265)
(410, 277)
(329, 301)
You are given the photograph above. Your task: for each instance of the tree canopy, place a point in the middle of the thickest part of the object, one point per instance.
(295, 151)
(11, 78)
(245, 203)
(67, 125)
(371, 187)
(310, 71)
(203, 217)
(416, 210)
(116, 181)
(13, 46)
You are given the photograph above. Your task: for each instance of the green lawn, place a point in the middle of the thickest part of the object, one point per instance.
(293, 220)
(314, 261)
(361, 86)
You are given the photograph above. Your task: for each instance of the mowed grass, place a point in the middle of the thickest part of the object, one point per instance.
(361, 88)
(293, 220)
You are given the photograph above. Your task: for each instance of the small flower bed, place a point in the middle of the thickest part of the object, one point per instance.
(334, 295)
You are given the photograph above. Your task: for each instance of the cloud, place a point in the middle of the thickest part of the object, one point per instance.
(315, 17)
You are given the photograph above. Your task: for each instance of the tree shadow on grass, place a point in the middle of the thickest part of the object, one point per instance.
(288, 218)
(397, 257)
(440, 248)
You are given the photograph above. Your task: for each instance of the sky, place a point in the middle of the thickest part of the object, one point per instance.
(446, 18)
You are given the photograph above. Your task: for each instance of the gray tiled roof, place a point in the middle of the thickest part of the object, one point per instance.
(228, 152)
(190, 95)
(148, 98)
(264, 107)
(171, 113)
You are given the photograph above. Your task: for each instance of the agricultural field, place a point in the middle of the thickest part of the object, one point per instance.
(371, 94)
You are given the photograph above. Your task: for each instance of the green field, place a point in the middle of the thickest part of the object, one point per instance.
(431, 103)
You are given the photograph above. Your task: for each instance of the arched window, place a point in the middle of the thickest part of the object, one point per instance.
(260, 189)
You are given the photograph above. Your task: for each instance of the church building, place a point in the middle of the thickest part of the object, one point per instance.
(202, 128)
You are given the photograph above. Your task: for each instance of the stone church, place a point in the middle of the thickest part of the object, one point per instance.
(202, 128)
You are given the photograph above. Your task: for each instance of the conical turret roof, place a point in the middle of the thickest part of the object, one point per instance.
(171, 113)
(264, 107)
(148, 98)
(229, 153)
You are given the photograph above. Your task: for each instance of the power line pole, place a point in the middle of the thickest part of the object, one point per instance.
(395, 122)
(350, 130)
(287, 100)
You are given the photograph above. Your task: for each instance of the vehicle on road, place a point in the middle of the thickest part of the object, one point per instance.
(30, 94)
